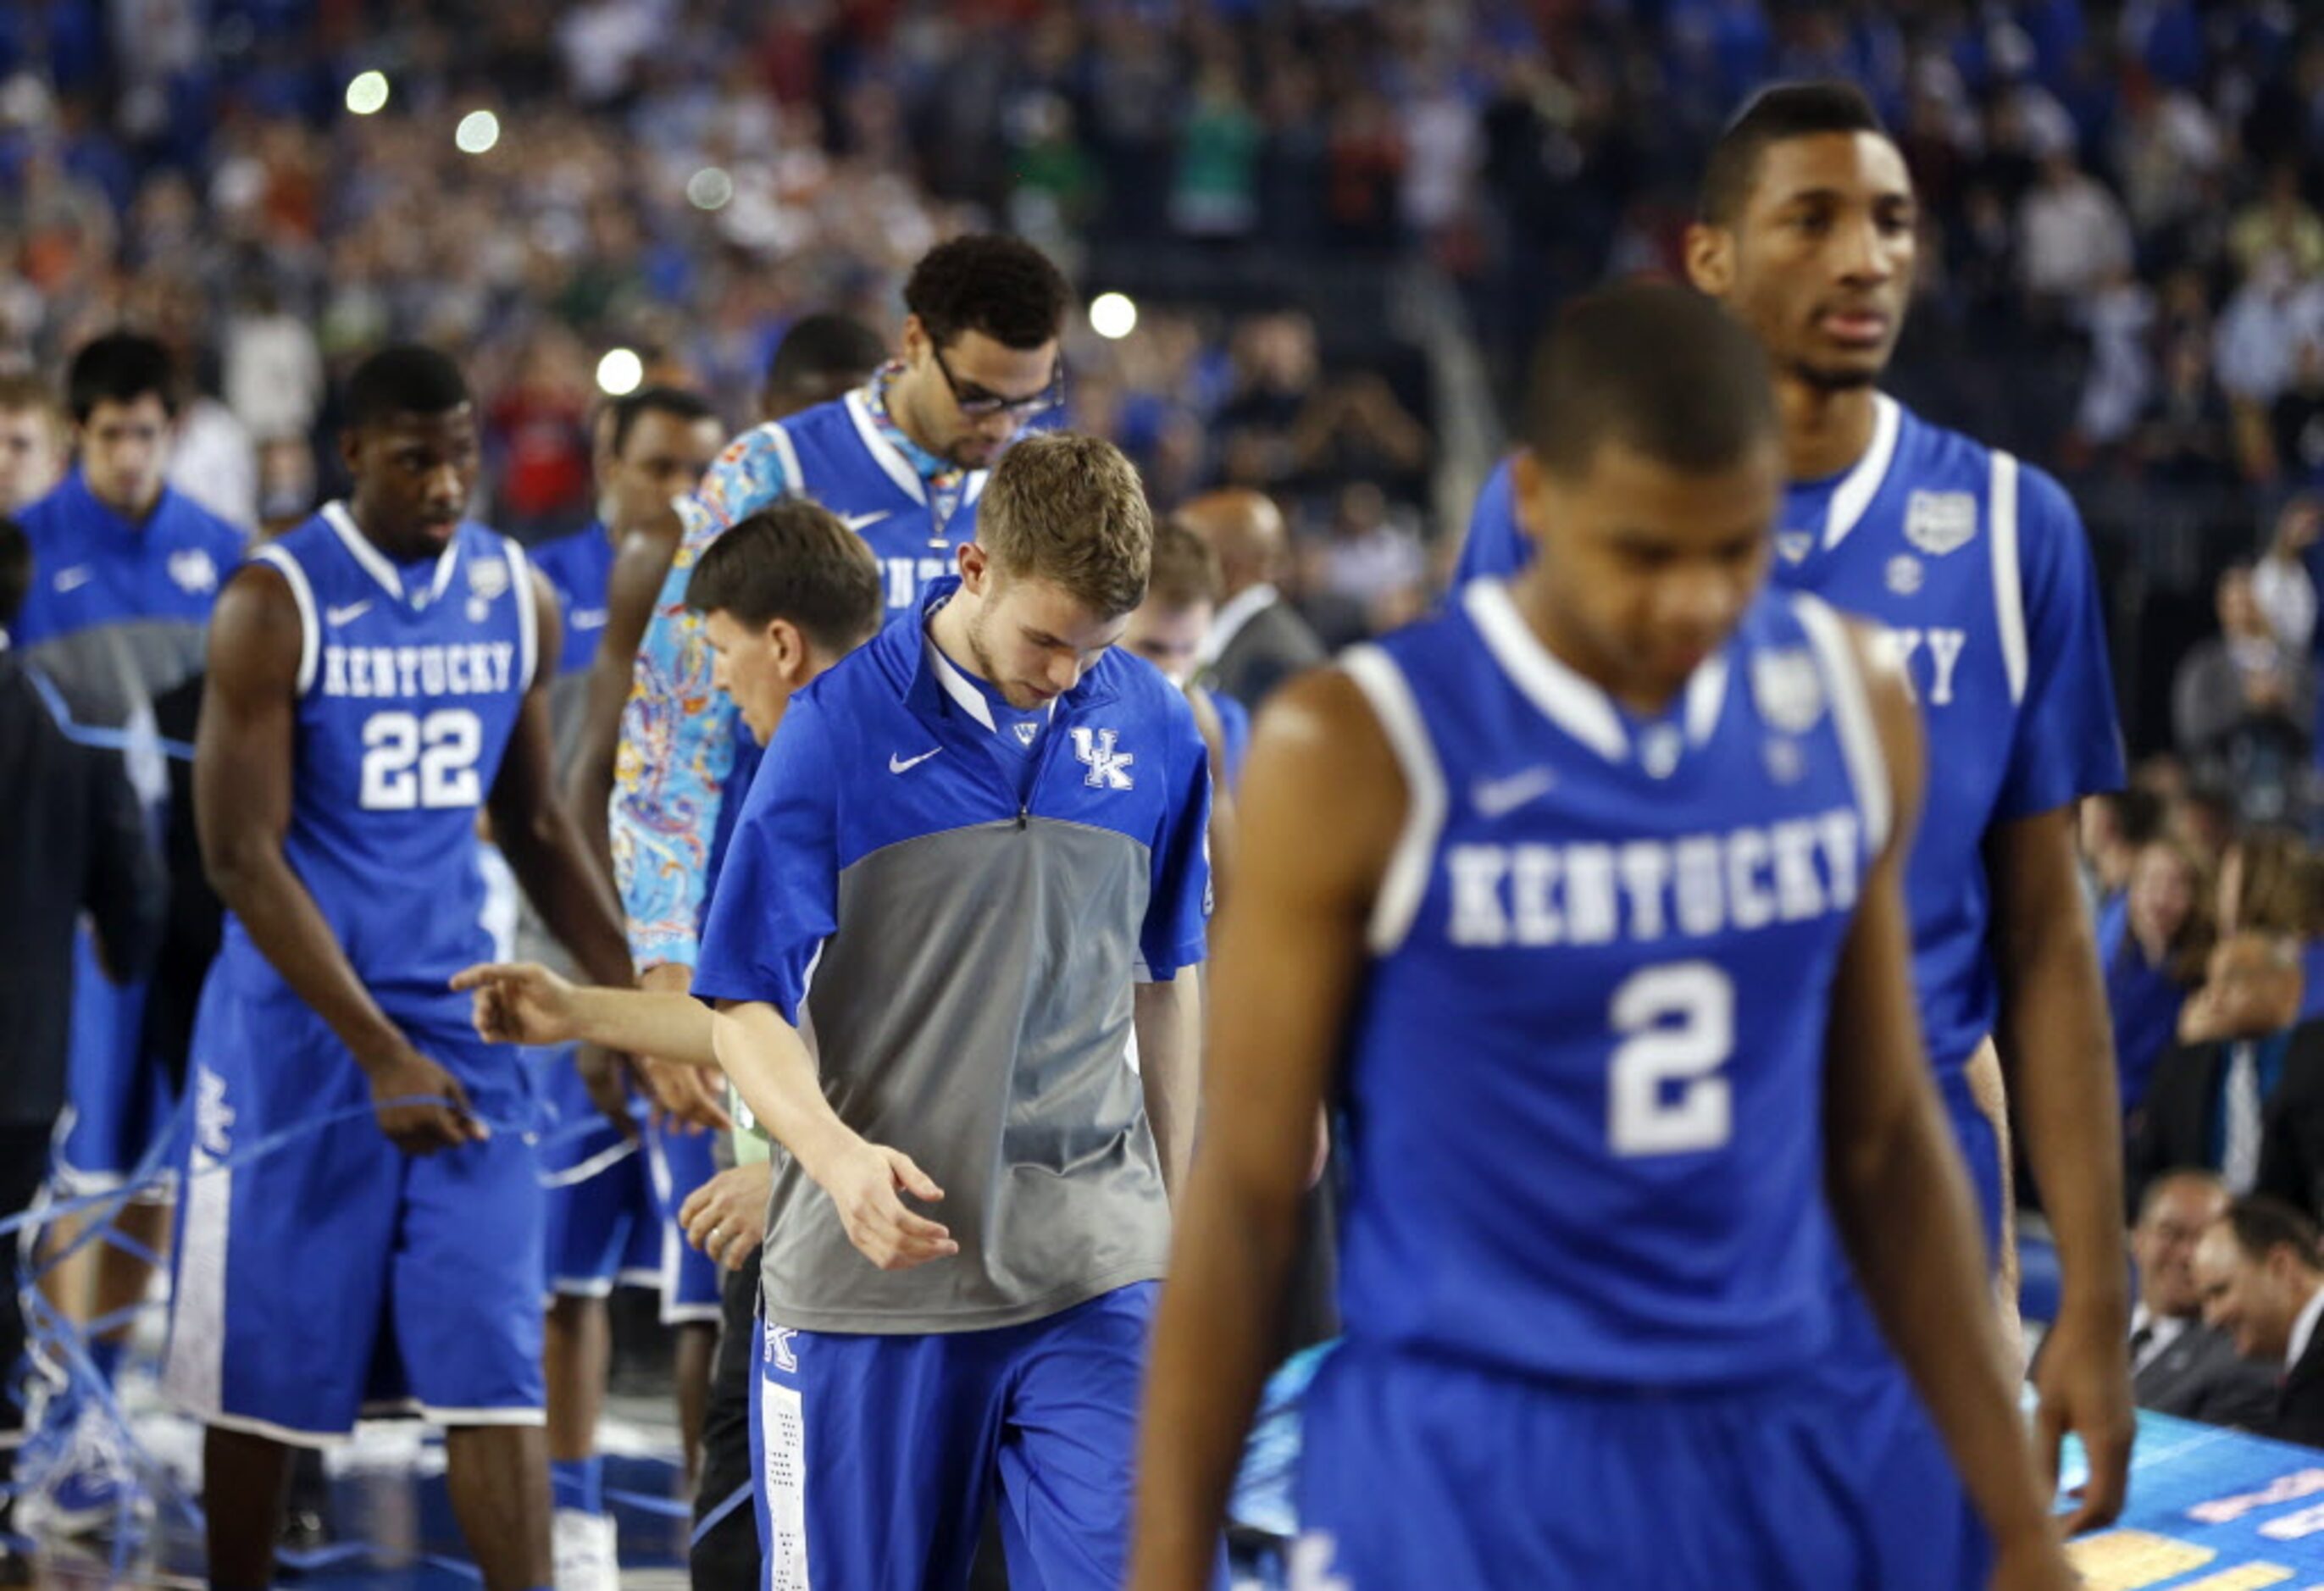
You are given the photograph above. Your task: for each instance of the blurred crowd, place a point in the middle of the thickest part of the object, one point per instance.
(2123, 261)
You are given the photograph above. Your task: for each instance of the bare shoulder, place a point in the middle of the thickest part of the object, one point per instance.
(1321, 770)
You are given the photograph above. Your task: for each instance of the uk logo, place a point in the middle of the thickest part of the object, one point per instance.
(191, 568)
(778, 1348)
(1787, 689)
(1107, 769)
(1939, 522)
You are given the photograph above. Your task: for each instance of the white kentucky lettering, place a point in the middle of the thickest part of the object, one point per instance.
(1901, 645)
(1107, 769)
(460, 668)
(1699, 884)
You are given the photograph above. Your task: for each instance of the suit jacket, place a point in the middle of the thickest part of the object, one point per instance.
(2200, 1376)
(1273, 644)
(2175, 1129)
(2300, 1405)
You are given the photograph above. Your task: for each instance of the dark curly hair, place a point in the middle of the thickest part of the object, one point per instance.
(987, 282)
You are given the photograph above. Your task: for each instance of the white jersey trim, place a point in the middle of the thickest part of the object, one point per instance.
(375, 562)
(883, 452)
(1851, 717)
(1565, 697)
(1405, 883)
(528, 613)
(2009, 588)
(1863, 482)
(779, 439)
(311, 625)
(1706, 697)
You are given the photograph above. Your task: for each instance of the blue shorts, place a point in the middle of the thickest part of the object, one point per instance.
(879, 1456)
(613, 1204)
(1416, 1472)
(1931, 1538)
(337, 1276)
(117, 1097)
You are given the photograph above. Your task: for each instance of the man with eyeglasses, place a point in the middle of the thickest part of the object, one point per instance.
(901, 461)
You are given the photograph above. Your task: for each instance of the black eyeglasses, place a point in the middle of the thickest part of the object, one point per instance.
(976, 402)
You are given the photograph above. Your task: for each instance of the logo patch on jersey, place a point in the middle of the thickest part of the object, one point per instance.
(74, 578)
(1793, 546)
(1786, 763)
(1905, 574)
(900, 763)
(860, 522)
(1495, 798)
(1939, 522)
(1787, 688)
(1026, 732)
(1659, 748)
(192, 568)
(334, 617)
(588, 617)
(488, 578)
(1107, 769)
(778, 1347)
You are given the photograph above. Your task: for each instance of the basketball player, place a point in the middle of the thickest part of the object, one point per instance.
(1979, 569)
(126, 571)
(1614, 857)
(614, 1191)
(376, 677)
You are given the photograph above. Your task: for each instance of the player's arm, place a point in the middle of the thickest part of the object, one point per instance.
(641, 563)
(526, 1003)
(1169, 1019)
(1290, 952)
(771, 1068)
(243, 762)
(1898, 1193)
(539, 836)
(2057, 1044)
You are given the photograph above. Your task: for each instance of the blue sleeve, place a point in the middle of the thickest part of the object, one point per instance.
(2069, 738)
(1495, 546)
(777, 898)
(1178, 909)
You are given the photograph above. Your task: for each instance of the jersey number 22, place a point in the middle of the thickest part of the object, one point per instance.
(411, 761)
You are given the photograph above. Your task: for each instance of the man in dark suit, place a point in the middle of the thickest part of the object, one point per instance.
(2179, 1364)
(1257, 638)
(2262, 1280)
(2246, 1099)
(75, 841)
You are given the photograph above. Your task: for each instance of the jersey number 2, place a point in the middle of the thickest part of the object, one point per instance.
(1664, 1094)
(409, 762)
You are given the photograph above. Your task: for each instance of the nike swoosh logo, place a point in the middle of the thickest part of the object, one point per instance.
(334, 617)
(860, 521)
(1495, 798)
(904, 764)
(74, 578)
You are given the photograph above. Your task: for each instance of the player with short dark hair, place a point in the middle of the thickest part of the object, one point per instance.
(614, 1191)
(1978, 572)
(1603, 952)
(126, 570)
(821, 358)
(378, 679)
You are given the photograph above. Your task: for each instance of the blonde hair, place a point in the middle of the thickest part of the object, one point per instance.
(1070, 510)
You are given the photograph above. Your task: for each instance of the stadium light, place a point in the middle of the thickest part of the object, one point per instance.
(1113, 316)
(367, 93)
(710, 188)
(620, 371)
(478, 131)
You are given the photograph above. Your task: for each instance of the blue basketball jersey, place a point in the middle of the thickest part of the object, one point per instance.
(410, 683)
(835, 453)
(579, 568)
(1977, 569)
(1584, 1079)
